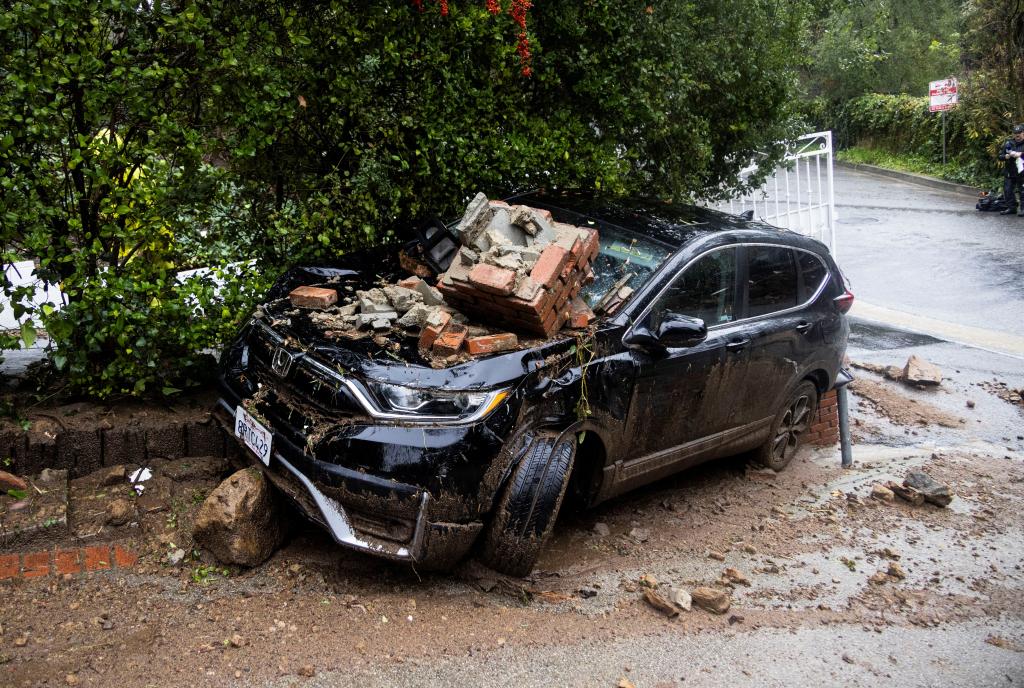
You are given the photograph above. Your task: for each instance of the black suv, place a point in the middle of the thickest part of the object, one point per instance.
(731, 331)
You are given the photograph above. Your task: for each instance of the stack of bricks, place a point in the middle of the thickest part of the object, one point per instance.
(824, 431)
(538, 298)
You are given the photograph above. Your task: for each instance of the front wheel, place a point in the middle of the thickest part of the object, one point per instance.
(790, 424)
(528, 508)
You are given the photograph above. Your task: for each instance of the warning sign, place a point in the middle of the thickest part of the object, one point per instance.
(942, 95)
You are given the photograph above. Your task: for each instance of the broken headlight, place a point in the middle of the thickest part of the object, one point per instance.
(419, 403)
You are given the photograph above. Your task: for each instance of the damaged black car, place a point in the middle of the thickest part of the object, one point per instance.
(447, 398)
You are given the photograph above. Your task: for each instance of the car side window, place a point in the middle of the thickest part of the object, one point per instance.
(812, 273)
(771, 280)
(706, 290)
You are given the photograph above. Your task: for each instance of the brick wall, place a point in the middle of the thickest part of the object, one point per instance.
(824, 430)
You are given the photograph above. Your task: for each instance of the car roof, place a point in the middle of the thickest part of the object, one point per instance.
(672, 224)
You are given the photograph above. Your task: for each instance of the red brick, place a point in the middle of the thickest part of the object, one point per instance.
(580, 315)
(490, 344)
(416, 267)
(10, 566)
(409, 282)
(97, 558)
(549, 266)
(35, 565)
(431, 332)
(492, 279)
(450, 341)
(124, 558)
(67, 561)
(313, 297)
(591, 245)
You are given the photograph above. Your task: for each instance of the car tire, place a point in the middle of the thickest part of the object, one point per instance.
(526, 513)
(790, 424)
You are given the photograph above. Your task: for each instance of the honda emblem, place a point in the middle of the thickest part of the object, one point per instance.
(282, 362)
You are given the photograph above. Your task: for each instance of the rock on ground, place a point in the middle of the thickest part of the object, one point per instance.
(239, 523)
(918, 371)
(713, 600)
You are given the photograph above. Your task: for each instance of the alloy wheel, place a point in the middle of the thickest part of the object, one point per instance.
(793, 424)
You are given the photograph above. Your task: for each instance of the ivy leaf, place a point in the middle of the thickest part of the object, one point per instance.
(28, 334)
(17, 494)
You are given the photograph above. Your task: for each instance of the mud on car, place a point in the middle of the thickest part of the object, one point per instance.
(711, 335)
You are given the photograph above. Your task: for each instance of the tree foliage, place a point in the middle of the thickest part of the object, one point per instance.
(140, 138)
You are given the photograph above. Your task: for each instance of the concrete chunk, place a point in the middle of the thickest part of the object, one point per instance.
(401, 298)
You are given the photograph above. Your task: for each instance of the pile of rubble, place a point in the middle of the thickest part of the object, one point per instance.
(517, 271)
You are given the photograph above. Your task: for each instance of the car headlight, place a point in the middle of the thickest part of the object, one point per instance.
(419, 403)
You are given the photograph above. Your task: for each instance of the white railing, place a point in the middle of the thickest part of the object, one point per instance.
(799, 194)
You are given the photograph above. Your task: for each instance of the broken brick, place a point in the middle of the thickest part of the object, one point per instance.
(580, 315)
(409, 282)
(416, 267)
(449, 342)
(492, 279)
(432, 328)
(313, 297)
(492, 343)
(549, 266)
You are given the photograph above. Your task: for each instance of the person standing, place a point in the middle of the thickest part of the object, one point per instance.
(1011, 154)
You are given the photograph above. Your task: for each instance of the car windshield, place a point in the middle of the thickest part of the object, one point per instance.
(624, 259)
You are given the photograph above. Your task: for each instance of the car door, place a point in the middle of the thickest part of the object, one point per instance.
(784, 333)
(683, 396)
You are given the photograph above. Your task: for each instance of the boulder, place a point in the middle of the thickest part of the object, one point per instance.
(239, 523)
(918, 371)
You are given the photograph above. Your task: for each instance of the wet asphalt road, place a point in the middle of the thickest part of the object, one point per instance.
(928, 252)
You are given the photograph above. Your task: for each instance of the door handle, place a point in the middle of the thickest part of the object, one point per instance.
(804, 327)
(737, 344)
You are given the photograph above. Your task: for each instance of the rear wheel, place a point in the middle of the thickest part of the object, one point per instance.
(789, 426)
(526, 513)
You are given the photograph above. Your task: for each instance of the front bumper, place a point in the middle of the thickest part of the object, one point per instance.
(382, 517)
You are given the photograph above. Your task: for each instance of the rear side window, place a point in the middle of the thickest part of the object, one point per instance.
(812, 273)
(771, 280)
(705, 290)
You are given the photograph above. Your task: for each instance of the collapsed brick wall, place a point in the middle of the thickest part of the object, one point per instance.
(824, 430)
(541, 302)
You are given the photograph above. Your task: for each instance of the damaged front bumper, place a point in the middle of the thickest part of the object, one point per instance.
(364, 512)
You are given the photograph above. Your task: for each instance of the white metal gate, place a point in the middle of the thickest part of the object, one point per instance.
(799, 194)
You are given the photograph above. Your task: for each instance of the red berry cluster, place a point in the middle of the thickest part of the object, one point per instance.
(517, 11)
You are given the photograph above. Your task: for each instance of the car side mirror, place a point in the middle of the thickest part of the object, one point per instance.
(681, 331)
(675, 331)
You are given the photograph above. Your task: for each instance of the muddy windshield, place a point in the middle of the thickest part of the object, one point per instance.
(624, 260)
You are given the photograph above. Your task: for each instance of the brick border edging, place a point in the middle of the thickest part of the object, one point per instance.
(61, 562)
(824, 430)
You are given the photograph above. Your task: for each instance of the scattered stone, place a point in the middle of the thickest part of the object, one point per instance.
(119, 512)
(238, 641)
(970, 403)
(660, 603)
(176, 556)
(21, 641)
(880, 491)
(307, 670)
(736, 576)
(735, 619)
(717, 556)
(71, 680)
(879, 578)
(896, 571)
(114, 475)
(933, 491)
(625, 683)
(906, 493)
(639, 535)
(601, 529)
(648, 581)
(918, 371)
(847, 658)
(711, 599)
(681, 599)
(749, 549)
(239, 523)
(587, 593)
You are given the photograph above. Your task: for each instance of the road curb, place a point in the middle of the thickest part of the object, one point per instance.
(911, 177)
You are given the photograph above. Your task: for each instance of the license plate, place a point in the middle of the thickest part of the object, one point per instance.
(252, 432)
